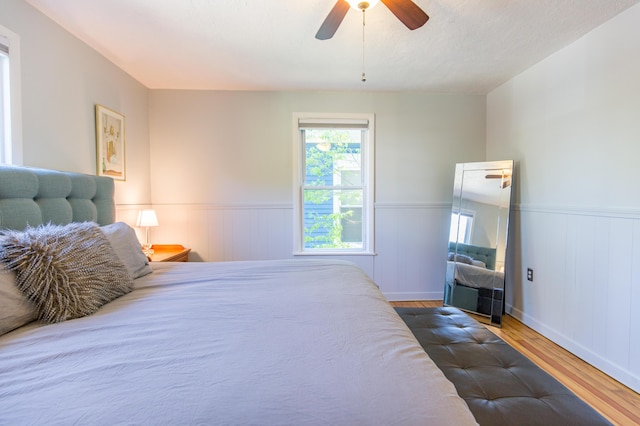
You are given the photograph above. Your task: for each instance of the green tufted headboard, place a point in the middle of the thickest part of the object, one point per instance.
(484, 254)
(30, 196)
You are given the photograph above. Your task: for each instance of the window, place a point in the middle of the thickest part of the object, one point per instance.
(462, 229)
(10, 116)
(333, 184)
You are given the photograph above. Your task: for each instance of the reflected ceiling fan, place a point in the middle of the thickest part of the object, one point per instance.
(505, 177)
(405, 10)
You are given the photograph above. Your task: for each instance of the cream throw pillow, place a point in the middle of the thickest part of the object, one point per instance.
(15, 309)
(126, 245)
(67, 271)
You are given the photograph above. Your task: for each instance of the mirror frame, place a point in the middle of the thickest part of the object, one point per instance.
(475, 274)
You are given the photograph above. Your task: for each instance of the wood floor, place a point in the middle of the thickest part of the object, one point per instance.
(612, 399)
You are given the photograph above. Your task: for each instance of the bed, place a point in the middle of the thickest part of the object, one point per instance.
(256, 342)
(472, 283)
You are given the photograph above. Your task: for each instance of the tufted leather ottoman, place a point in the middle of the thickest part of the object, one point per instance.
(500, 385)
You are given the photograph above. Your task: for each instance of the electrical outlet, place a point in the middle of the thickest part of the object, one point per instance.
(529, 274)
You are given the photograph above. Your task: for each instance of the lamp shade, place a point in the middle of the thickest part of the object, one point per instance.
(147, 217)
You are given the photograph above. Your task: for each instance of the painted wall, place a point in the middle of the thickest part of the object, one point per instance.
(62, 80)
(222, 168)
(572, 123)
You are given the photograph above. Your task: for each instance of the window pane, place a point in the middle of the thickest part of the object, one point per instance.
(4, 103)
(333, 218)
(350, 178)
(351, 220)
(333, 157)
(460, 227)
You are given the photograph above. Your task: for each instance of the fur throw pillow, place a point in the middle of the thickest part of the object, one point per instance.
(67, 271)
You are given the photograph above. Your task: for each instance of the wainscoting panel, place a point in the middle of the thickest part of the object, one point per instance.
(225, 233)
(634, 303)
(586, 290)
(411, 243)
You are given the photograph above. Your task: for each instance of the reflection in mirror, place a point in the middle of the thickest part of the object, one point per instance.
(478, 238)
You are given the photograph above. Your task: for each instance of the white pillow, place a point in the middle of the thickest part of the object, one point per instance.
(15, 309)
(126, 245)
(478, 263)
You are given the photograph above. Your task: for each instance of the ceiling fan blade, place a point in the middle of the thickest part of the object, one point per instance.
(407, 12)
(498, 176)
(333, 20)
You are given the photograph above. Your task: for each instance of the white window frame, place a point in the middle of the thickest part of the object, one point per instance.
(368, 161)
(11, 98)
(468, 232)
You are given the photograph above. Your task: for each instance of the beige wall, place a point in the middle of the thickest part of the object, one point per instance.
(572, 123)
(237, 146)
(62, 80)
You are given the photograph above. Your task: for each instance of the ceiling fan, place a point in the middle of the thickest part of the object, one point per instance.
(405, 10)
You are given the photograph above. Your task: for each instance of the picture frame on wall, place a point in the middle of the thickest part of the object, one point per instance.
(110, 143)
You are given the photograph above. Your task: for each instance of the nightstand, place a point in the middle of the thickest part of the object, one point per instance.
(169, 253)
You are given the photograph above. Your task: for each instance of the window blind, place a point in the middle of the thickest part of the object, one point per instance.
(332, 123)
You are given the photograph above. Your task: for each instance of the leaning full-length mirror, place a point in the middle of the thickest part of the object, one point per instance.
(478, 238)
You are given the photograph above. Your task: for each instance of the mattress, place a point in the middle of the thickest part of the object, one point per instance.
(263, 342)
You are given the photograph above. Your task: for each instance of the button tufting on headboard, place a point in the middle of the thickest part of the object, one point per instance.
(30, 196)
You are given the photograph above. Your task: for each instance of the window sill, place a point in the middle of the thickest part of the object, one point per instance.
(334, 253)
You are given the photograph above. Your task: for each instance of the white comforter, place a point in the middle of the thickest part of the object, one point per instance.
(278, 342)
(475, 276)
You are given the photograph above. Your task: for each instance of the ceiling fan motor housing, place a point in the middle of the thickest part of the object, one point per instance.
(362, 5)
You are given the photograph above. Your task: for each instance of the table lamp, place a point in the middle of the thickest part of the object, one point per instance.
(147, 218)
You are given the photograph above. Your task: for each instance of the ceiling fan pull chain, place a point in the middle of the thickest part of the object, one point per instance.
(364, 77)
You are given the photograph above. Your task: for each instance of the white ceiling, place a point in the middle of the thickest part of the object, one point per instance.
(469, 46)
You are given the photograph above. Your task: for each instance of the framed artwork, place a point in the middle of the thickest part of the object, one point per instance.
(110, 150)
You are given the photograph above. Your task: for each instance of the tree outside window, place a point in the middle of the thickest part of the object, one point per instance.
(333, 190)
